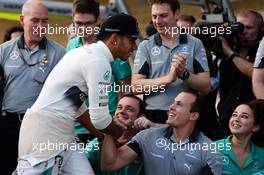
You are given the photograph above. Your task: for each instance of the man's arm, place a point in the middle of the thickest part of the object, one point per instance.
(142, 84)
(114, 128)
(113, 158)
(85, 120)
(242, 64)
(143, 123)
(200, 82)
(258, 83)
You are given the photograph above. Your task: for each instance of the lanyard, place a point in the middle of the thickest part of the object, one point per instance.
(43, 61)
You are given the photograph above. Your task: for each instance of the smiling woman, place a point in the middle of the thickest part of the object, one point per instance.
(246, 126)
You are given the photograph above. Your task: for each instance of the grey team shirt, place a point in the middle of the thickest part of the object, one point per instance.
(23, 83)
(153, 59)
(161, 154)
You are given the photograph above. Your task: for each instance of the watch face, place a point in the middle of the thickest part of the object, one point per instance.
(185, 75)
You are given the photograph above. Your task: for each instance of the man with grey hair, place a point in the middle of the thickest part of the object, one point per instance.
(26, 63)
(236, 69)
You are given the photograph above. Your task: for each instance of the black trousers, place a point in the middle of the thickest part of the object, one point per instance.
(9, 134)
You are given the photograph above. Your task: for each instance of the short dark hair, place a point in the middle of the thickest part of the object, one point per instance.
(86, 6)
(174, 4)
(142, 105)
(199, 104)
(11, 30)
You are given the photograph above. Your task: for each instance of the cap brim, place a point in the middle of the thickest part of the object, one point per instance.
(135, 37)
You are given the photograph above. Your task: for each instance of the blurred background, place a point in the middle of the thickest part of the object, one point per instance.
(10, 11)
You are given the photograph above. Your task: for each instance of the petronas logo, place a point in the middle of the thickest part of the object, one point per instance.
(107, 75)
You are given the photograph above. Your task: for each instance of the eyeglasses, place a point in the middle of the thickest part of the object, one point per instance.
(79, 23)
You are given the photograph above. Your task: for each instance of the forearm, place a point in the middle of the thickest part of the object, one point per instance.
(199, 83)
(113, 130)
(258, 83)
(110, 129)
(85, 120)
(258, 90)
(243, 65)
(145, 85)
(108, 153)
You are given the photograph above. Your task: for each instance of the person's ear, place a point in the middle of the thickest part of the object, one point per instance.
(21, 20)
(194, 116)
(177, 14)
(114, 39)
(256, 128)
(98, 20)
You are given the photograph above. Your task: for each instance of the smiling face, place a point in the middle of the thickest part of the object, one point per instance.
(128, 108)
(125, 45)
(180, 111)
(242, 121)
(163, 17)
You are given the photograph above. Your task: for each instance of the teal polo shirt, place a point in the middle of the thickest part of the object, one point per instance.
(254, 164)
(120, 70)
(74, 43)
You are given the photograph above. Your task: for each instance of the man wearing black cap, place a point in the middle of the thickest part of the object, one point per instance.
(50, 143)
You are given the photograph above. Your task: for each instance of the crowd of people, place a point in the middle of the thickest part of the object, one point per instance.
(60, 112)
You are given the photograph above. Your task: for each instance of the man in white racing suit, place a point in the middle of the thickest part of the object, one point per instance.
(46, 136)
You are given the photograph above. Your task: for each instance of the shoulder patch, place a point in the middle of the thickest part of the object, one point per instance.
(107, 75)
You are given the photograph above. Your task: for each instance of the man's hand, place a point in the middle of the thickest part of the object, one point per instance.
(142, 123)
(172, 75)
(179, 62)
(227, 50)
(124, 124)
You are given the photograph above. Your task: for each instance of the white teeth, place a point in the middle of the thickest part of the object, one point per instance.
(236, 126)
(171, 115)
